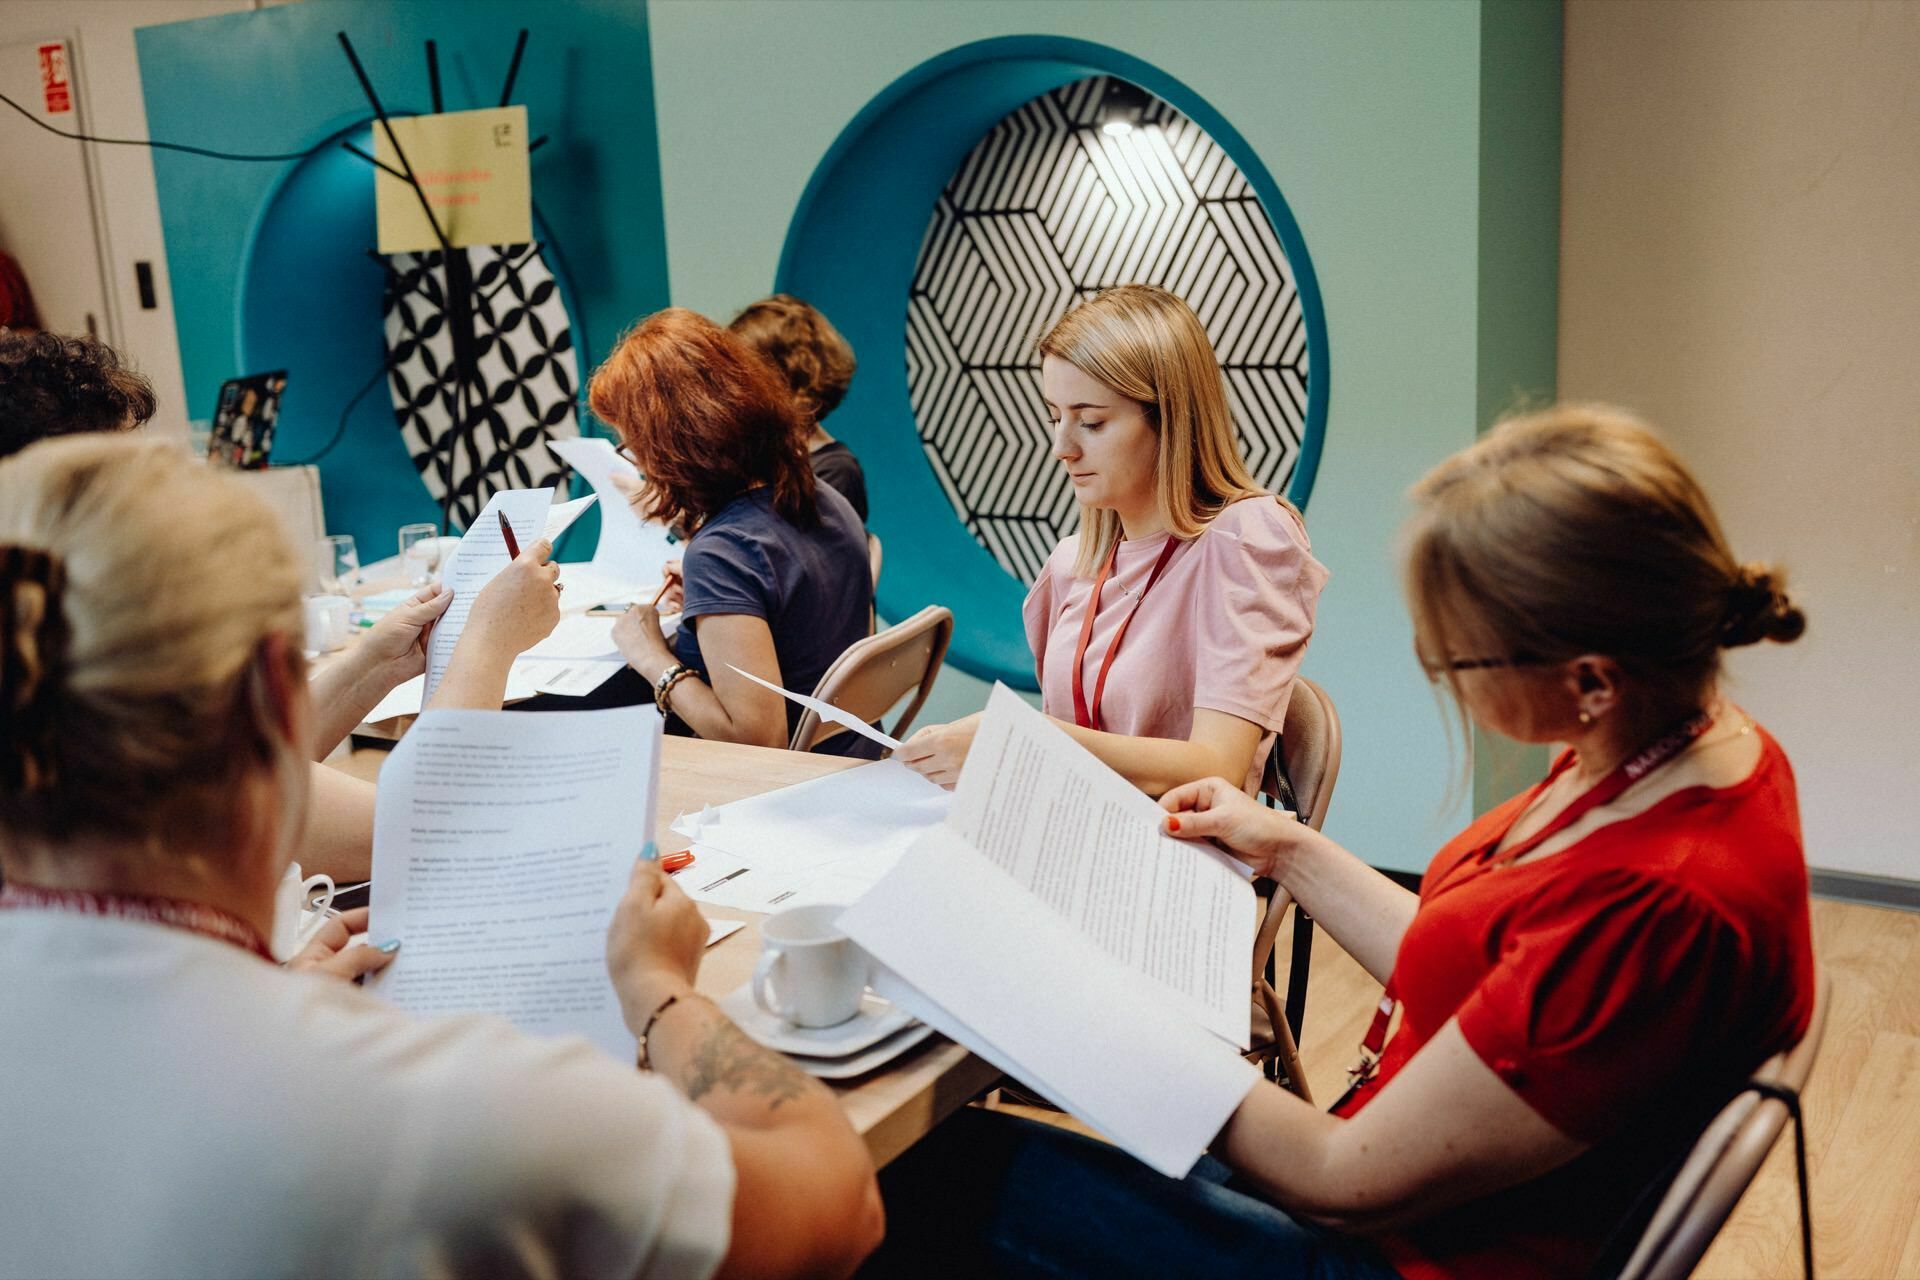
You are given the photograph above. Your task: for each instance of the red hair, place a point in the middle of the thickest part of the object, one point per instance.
(705, 419)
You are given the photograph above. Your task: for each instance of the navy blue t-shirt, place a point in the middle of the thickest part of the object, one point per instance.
(813, 586)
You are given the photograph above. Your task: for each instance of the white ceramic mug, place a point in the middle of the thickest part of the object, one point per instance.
(329, 621)
(294, 921)
(810, 974)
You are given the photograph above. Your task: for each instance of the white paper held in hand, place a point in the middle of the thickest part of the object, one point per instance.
(826, 711)
(979, 957)
(482, 553)
(501, 846)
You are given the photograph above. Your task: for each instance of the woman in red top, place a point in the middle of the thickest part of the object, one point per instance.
(1588, 971)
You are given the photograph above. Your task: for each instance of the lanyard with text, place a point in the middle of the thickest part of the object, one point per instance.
(175, 913)
(1089, 717)
(1625, 774)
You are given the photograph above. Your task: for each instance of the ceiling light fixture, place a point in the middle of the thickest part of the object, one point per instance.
(1121, 108)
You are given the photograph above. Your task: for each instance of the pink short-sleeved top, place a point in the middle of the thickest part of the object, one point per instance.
(1224, 628)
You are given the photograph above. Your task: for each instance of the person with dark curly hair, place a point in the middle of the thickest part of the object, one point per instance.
(54, 385)
(818, 364)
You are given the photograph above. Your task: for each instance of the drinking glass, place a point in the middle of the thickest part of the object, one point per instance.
(339, 564)
(419, 552)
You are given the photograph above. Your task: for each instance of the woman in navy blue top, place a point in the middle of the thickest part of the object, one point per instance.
(775, 574)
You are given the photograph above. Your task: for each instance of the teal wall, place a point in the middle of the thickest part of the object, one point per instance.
(269, 260)
(1368, 116)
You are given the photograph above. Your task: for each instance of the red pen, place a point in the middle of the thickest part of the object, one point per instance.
(665, 586)
(506, 531)
(675, 861)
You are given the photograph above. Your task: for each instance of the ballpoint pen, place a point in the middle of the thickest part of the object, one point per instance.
(506, 531)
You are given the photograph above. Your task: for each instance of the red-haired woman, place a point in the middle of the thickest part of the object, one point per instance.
(775, 574)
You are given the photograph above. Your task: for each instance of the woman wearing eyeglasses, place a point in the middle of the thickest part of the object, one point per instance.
(775, 581)
(1588, 971)
(1166, 633)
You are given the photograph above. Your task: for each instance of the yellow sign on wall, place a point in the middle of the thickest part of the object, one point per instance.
(472, 166)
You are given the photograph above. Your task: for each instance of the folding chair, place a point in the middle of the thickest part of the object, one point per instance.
(1724, 1159)
(874, 673)
(1301, 774)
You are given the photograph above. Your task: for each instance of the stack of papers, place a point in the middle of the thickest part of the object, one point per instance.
(827, 840)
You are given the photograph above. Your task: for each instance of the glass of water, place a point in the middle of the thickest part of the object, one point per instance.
(419, 552)
(338, 563)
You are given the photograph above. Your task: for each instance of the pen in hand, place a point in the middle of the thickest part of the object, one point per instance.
(665, 586)
(506, 531)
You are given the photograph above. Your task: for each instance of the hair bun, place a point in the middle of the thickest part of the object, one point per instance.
(33, 641)
(1758, 608)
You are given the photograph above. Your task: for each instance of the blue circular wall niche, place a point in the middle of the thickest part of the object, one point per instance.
(969, 205)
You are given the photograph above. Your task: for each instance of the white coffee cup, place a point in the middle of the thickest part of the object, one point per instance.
(810, 974)
(329, 621)
(294, 920)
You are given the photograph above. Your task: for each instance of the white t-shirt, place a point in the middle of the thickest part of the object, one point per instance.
(173, 1106)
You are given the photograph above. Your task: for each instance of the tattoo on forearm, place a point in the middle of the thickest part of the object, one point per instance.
(727, 1058)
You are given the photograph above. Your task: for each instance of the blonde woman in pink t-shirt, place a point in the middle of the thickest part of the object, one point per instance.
(1166, 633)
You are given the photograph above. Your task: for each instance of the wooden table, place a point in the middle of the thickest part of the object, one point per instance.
(891, 1108)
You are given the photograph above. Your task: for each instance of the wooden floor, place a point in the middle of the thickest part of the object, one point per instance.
(1862, 1104)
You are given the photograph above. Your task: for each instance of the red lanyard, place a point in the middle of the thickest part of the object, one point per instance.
(174, 912)
(1625, 774)
(1089, 717)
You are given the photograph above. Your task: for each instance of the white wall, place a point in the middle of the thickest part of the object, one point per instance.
(106, 80)
(1741, 263)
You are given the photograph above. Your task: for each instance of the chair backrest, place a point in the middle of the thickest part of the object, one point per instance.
(873, 556)
(877, 672)
(1310, 747)
(1724, 1159)
(294, 495)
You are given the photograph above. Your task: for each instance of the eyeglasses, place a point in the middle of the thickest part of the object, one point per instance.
(1435, 669)
(621, 451)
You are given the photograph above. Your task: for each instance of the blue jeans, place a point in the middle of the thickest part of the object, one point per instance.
(994, 1195)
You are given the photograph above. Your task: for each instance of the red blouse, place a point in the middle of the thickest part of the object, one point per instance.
(1623, 987)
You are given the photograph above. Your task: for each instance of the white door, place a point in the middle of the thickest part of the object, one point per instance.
(48, 218)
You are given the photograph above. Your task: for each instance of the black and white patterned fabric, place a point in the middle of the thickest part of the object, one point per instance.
(1046, 211)
(523, 389)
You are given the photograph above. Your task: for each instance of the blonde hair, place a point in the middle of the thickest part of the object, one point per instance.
(1148, 345)
(1576, 530)
(136, 587)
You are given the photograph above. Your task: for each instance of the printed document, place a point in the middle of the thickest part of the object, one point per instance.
(482, 553)
(977, 956)
(1088, 843)
(501, 846)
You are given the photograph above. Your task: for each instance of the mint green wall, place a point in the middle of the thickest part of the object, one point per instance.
(1367, 115)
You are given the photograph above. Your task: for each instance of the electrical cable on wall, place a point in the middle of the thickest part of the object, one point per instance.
(163, 146)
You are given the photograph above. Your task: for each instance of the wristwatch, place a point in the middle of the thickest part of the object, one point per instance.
(663, 687)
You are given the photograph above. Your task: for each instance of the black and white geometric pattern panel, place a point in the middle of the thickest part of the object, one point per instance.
(522, 389)
(1046, 211)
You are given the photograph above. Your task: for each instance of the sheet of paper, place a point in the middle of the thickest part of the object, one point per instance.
(721, 929)
(481, 554)
(579, 638)
(983, 960)
(561, 515)
(632, 551)
(588, 587)
(829, 839)
(568, 677)
(405, 698)
(1089, 845)
(826, 711)
(501, 845)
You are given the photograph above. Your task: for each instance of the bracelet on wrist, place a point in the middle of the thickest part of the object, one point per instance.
(646, 1030)
(663, 687)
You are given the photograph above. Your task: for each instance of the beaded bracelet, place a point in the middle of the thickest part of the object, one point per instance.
(647, 1030)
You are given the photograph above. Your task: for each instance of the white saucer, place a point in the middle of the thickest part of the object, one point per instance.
(876, 1020)
(861, 1063)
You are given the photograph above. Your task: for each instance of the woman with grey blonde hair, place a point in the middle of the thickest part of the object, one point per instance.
(178, 1105)
(1588, 972)
(1166, 633)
